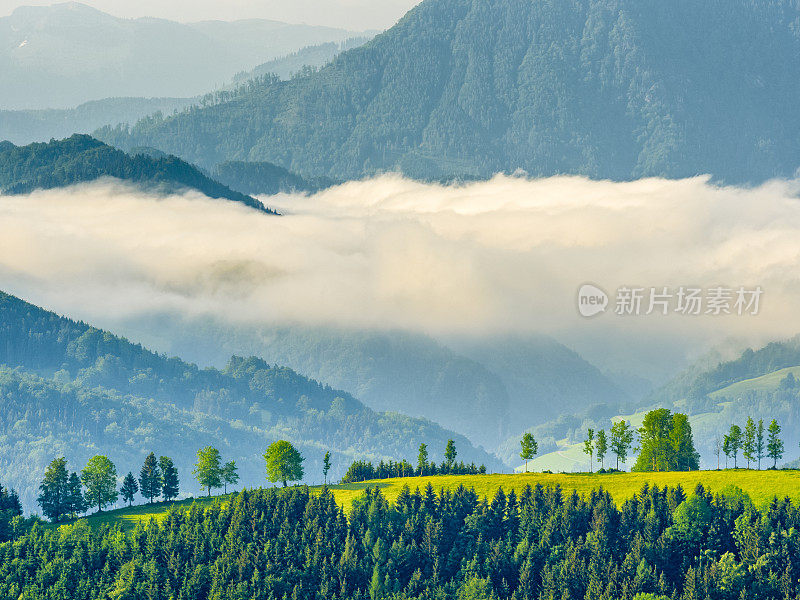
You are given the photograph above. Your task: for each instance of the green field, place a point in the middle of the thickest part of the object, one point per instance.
(761, 486)
(770, 381)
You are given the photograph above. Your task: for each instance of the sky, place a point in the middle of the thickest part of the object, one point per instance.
(503, 255)
(346, 14)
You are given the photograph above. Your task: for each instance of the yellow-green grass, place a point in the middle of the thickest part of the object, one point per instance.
(770, 381)
(761, 486)
(128, 517)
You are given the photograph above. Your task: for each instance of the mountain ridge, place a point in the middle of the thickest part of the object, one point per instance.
(616, 89)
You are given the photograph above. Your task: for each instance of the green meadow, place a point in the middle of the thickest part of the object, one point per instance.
(761, 486)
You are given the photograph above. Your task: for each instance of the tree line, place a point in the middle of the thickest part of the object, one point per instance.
(666, 443)
(543, 544)
(361, 470)
(64, 495)
(753, 441)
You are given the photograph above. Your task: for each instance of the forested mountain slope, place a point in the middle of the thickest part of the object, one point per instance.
(69, 389)
(606, 88)
(486, 388)
(81, 159)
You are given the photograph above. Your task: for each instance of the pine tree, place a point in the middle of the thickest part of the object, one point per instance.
(150, 478)
(170, 484)
(76, 503)
(774, 443)
(129, 488)
(54, 490)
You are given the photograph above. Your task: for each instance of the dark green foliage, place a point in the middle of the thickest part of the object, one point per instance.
(129, 488)
(459, 89)
(10, 509)
(363, 470)
(74, 390)
(81, 158)
(542, 545)
(150, 478)
(54, 491)
(265, 178)
(170, 484)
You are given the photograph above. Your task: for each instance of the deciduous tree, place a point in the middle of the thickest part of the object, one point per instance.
(284, 462)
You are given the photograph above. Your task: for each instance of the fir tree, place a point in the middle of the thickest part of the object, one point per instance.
(129, 488)
(150, 478)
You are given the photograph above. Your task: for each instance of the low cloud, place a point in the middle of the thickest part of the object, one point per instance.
(503, 255)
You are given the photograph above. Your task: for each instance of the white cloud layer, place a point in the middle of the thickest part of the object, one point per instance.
(503, 255)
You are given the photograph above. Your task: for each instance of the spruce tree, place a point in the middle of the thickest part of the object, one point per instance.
(170, 484)
(150, 478)
(129, 488)
(54, 490)
(76, 503)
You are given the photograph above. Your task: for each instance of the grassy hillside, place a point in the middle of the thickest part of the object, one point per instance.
(761, 486)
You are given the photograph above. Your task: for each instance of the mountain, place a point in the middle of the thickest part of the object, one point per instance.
(293, 64)
(615, 89)
(27, 126)
(265, 178)
(544, 378)
(456, 382)
(62, 55)
(69, 389)
(82, 158)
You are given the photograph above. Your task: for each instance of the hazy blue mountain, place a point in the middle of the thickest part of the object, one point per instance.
(69, 389)
(606, 88)
(81, 158)
(265, 178)
(310, 57)
(455, 382)
(543, 377)
(27, 126)
(62, 55)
